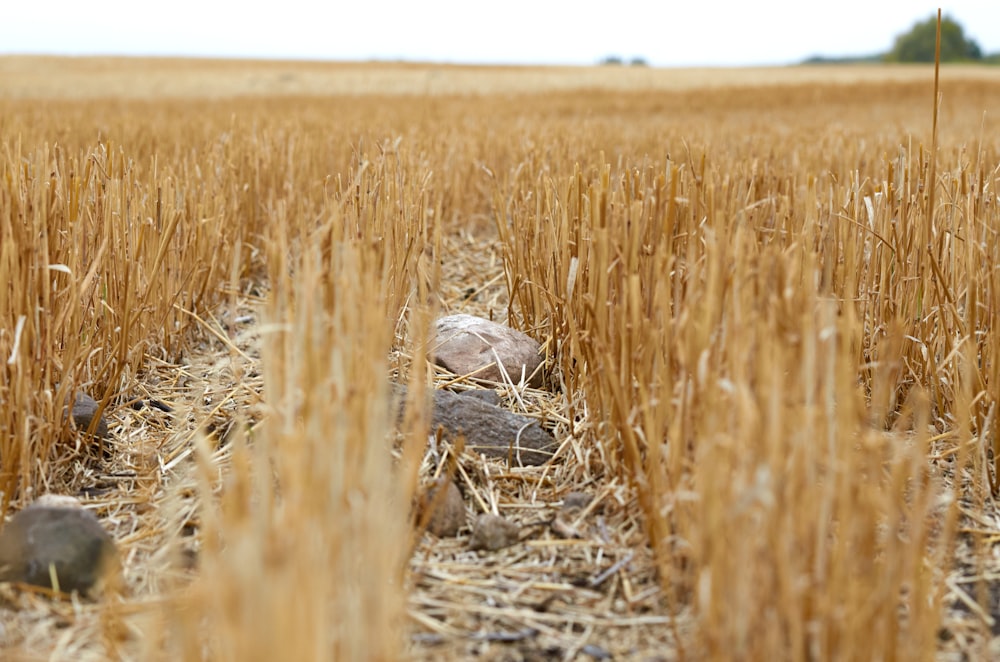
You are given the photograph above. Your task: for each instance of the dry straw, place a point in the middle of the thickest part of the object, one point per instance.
(769, 317)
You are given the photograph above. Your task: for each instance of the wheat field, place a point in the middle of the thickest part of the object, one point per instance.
(768, 300)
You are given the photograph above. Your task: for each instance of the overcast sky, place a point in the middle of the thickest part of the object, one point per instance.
(663, 32)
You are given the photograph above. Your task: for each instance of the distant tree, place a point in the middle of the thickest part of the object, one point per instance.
(638, 62)
(612, 60)
(917, 45)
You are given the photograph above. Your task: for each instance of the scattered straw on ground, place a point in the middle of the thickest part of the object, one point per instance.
(575, 587)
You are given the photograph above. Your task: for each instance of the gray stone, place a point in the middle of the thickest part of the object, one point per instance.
(465, 344)
(66, 541)
(566, 523)
(574, 502)
(488, 429)
(492, 532)
(84, 410)
(489, 396)
(448, 515)
(492, 431)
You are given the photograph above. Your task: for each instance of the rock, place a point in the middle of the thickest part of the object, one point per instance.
(65, 539)
(467, 344)
(84, 410)
(565, 524)
(492, 533)
(489, 396)
(449, 510)
(574, 502)
(492, 431)
(58, 501)
(488, 429)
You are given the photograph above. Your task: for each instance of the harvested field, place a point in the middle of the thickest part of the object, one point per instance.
(768, 301)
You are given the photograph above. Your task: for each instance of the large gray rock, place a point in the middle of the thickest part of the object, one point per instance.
(49, 538)
(488, 429)
(492, 431)
(467, 344)
(488, 396)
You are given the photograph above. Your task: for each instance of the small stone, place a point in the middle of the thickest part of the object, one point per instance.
(466, 344)
(596, 652)
(189, 559)
(565, 524)
(449, 511)
(84, 410)
(493, 532)
(66, 541)
(58, 501)
(574, 502)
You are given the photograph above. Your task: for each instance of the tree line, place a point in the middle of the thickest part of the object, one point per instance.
(918, 45)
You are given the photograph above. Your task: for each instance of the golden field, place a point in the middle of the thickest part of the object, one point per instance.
(768, 299)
